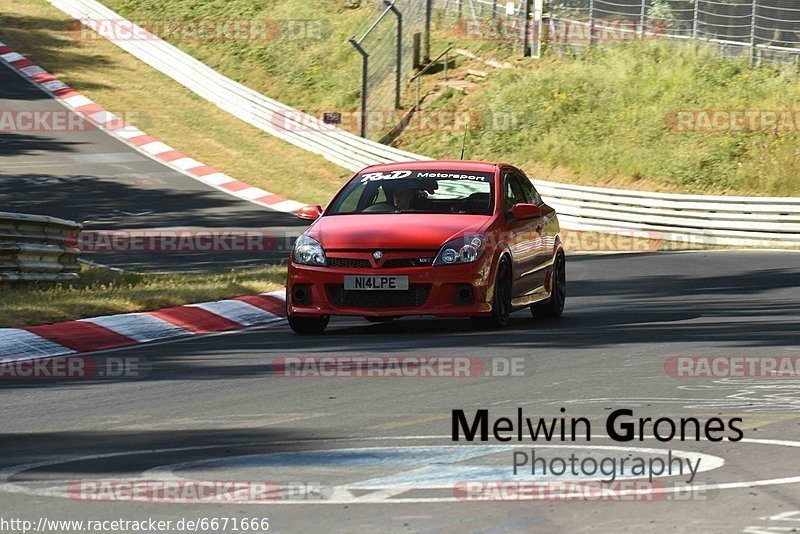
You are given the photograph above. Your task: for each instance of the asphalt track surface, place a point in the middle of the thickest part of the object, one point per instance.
(213, 408)
(91, 177)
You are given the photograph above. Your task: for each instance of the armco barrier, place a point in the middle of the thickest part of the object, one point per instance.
(714, 220)
(37, 247)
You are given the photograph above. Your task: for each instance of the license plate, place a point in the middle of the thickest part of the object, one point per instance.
(378, 283)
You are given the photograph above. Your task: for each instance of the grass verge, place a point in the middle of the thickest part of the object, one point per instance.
(165, 109)
(105, 292)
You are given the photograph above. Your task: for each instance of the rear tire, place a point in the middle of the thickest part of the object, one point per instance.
(554, 307)
(309, 325)
(501, 302)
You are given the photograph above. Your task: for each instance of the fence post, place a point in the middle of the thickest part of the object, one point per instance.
(364, 88)
(591, 22)
(428, 10)
(494, 9)
(399, 58)
(642, 15)
(753, 33)
(526, 28)
(417, 50)
(696, 20)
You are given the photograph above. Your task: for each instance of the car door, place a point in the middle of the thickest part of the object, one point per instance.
(544, 234)
(521, 238)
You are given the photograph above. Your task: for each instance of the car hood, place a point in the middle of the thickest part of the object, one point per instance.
(393, 230)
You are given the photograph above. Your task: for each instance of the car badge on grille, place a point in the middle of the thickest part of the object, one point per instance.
(377, 254)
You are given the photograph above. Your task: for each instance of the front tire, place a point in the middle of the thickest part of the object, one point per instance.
(309, 325)
(501, 301)
(554, 307)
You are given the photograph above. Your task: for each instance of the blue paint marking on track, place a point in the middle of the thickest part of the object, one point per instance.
(430, 467)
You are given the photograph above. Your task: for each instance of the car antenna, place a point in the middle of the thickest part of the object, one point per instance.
(464, 140)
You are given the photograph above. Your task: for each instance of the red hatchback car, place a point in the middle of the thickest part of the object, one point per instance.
(443, 238)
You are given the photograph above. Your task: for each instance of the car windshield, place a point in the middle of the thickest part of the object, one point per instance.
(405, 191)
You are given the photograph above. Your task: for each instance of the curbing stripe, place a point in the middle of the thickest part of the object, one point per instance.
(217, 179)
(275, 305)
(195, 319)
(81, 336)
(127, 329)
(238, 311)
(20, 344)
(141, 327)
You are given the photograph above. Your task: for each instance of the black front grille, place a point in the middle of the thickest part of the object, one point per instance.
(414, 297)
(349, 263)
(394, 263)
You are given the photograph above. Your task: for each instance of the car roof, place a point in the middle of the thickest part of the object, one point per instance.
(437, 165)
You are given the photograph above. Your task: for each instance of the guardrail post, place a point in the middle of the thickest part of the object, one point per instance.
(591, 22)
(696, 19)
(642, 16)
(753, 33)
(364, 86)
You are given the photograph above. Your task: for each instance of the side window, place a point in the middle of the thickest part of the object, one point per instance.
(514, 194)
(536, 199)
(527, 188)
(531, 194)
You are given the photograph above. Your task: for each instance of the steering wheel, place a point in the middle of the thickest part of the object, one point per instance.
(380, 207)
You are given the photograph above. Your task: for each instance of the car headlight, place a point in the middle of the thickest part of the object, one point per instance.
(462, 250)
(308, 251)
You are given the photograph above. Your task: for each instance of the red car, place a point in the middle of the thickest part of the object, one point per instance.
(443, 238)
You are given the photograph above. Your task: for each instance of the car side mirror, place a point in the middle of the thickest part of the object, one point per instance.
(526, 211)
(311, 213)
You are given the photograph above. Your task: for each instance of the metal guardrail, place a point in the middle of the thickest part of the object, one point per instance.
(693, 219)
(715, 220)
(37, 247)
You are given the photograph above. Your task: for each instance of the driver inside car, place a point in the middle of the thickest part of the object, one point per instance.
(403, 196)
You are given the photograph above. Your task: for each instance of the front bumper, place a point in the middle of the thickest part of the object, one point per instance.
(436, 291)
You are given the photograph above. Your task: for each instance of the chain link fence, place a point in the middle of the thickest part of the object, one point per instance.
(759, 29)
(386, 46)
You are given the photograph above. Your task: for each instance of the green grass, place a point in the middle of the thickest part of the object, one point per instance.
(599, 119)
(103, 292)
(306, 65)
